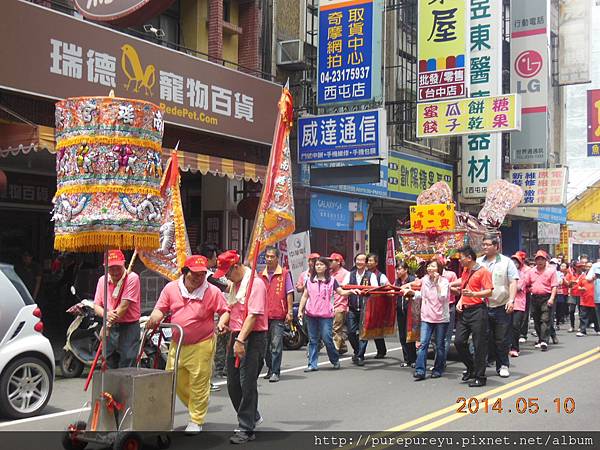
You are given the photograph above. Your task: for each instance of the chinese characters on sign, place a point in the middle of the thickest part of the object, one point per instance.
(553, 215)
(467, 116)
(341, 136)
(593, 122)
(482, 153)
(409, 175)
(432, 217)
(441, 49)
(348, 51)
(541, 186)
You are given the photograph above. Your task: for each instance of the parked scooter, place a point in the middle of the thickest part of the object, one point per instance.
(295, 335)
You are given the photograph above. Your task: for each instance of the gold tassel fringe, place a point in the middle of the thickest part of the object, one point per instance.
(108, 140)
(99, 241)
(107, 189)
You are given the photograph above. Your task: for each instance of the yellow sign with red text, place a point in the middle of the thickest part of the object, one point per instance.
(432, 217)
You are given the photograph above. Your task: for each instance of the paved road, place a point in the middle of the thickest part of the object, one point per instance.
(383, 396)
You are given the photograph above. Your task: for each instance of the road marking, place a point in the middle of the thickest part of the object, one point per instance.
(45, 416)
(497, 390)
(518, 390)
(218, 383)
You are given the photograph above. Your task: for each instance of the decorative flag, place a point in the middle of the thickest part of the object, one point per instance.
(390, 261)
(275, 217)
(174, 248)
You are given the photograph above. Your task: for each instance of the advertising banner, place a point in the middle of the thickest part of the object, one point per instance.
(409, 175)
(593, 122)
(553, 215)
(542, 186)
(486, 80)
(458, 117)
(333, 212)
(349, 61)
(342, 137)
(548, 233)
(432, 217)
(442, 49)
(574, 43)
(530, 77)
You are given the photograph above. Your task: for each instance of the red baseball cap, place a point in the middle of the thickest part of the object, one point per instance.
(337, 257)
(225, 261)
(116, 258)
(541, 254)
(314, 256)
(522, 255)
(197, 263)
(518, 257)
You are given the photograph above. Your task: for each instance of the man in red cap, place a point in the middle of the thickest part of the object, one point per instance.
(248, 321)
(305, 275)
(340, 304)
(124, 295)
(542, 282)
(192, 303)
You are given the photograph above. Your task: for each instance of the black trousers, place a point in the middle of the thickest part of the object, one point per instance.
(587, 318)
(517, 319)
(541, 313)
(525, 322)
(473, 321)
(409, 349)
(381, 347)
(242, 381)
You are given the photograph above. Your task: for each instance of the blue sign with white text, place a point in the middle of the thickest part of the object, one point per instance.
(332, 212)
(553, 215)
(341, 137)
(346, 49)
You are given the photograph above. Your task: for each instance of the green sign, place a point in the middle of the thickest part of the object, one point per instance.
(409, 175)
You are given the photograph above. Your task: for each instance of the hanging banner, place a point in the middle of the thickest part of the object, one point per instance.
(530, 77)
(390, 260)
(442, 49)
(342, 137)
(349, 61)
(574, 43)
(486, 80)
(542, 186)
(548, 233)
(458, 117)
(593, 122)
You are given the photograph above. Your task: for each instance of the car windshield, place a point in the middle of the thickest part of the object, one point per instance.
(17, 283)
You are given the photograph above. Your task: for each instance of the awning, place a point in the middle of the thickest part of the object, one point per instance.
(18, 138)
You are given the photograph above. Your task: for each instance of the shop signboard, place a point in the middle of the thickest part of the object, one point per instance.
(377, 190)
(467, 116)
(542, 186)
(486, 80)
(553, 214)
(68, 57)
(574, 43)
(593, 122)
(530, 77)
(442, 49)
(335, 212)
(409, 175)
(342, 137)
(349, 54)
(432, 217)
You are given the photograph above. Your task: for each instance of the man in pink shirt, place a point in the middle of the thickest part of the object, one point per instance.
(340, 304)
(192, 302)
(248, 321)
(124, 294)
(542, 282)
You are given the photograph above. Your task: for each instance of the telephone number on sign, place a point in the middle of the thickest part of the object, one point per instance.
(351, 73)
(522, 405)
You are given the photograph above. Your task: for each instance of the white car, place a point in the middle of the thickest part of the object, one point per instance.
(26, 356)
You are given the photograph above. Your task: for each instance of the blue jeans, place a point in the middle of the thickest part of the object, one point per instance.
(274, 349)
(320, 328)
(427, 330)
(122, 345)
(358, 345)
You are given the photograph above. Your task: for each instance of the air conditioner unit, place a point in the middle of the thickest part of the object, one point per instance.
(290, 53)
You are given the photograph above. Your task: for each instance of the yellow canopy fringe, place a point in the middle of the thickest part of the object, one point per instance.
(98, 241)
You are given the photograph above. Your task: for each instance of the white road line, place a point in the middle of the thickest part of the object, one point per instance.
(218, 383)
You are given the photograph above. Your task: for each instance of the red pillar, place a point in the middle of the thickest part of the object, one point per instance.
(215, 30)
(249, 55)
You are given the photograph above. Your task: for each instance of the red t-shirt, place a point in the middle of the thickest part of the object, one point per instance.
(587, 296)
(479, 280)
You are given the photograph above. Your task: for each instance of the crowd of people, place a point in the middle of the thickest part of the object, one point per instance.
(234, 319)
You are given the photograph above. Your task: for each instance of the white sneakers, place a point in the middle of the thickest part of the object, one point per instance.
(503, 372)
(522, 339)
(580, 334)
(193, 428)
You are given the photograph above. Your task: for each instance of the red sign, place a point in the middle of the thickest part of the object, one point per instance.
(529, 63)
(390, 261)
(124, 13)
(593, 105)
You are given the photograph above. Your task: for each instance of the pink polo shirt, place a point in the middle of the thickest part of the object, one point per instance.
(340, 303)
(131, 292)
(540, 283)
(521, 297)
(257, 304)
(195, 316)
(451, 277)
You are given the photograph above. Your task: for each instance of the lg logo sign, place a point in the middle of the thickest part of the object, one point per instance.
(527, 65)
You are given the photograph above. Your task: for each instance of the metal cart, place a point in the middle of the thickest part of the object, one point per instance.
(126, 402)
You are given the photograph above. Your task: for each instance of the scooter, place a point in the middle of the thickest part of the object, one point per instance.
(295, 334)
(83, 337)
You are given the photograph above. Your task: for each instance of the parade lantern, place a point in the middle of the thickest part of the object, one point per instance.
(109, 171)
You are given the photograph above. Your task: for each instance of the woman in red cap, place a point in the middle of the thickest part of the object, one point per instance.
(192, 302)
